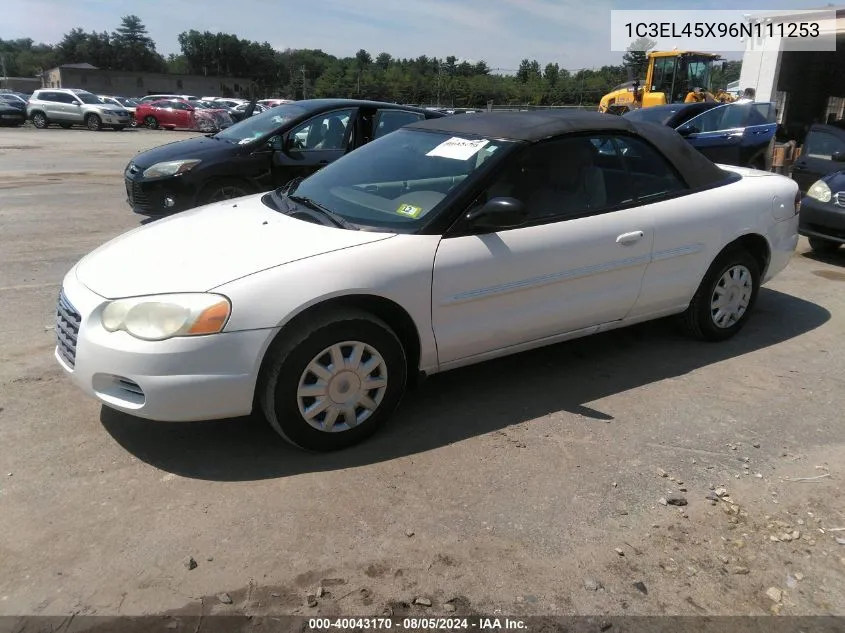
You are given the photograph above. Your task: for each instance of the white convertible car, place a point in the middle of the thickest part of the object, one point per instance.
(447, 243)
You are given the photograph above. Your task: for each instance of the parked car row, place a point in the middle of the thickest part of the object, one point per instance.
(257, 154)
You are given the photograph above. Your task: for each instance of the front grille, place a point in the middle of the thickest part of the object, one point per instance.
(67, 329)
(135, 194)
(839, 198)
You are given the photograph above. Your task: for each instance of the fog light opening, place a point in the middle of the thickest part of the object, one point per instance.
(169, 202)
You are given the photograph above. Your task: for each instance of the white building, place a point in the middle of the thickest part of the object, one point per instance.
(808, 86)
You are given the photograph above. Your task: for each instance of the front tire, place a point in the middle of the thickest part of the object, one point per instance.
(150, 122)
(39, 120)
(223, 189)
(334, 382)
(724, 300)
(822, 246)
(93, 123)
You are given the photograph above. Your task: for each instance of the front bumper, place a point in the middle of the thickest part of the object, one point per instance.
(824, 220)
(179, 380)
(161, 196)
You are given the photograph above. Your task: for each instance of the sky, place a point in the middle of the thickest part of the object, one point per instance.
(572, 33)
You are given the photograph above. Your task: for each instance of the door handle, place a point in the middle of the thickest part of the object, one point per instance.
(323, 162)
(630, 238)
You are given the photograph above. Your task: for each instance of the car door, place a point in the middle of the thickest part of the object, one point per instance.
(718, 132)
(823, 152)
(683, 228)
(760, 129)
(183, 115)
(314, 144)
(64, 108)
(577, 262)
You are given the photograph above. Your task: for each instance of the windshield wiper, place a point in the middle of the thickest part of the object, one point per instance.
(316, 206)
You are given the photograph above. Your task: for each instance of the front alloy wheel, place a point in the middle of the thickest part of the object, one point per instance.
(342, 386)
(333, 382)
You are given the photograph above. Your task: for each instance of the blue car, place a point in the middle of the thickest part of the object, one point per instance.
(740, 134)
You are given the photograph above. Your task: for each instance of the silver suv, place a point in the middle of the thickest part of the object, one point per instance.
(67, 107)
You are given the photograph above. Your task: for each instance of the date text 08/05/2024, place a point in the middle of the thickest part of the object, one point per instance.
(724, 29)
(416, 624)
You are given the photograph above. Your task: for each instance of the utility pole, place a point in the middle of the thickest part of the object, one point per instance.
(439, 74)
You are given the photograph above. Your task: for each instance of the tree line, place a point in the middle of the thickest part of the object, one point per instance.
(307, 73)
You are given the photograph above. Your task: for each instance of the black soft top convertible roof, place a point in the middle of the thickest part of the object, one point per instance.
(531, 127)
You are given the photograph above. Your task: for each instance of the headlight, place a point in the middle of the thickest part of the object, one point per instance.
(171, 168)
(159, 317)
(819, 191)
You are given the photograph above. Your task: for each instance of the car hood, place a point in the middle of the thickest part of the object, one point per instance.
(110, 108)
(197, 147)
(206, 247)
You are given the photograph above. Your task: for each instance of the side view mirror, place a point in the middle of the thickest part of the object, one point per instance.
(686, 130)
(276, 143)
(839, 157)
(77, 104)
(498, 213)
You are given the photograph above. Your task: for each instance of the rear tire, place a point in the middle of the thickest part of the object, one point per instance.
(93, 123)
(724, 300)
(360, 362)
(150, 122)
(822, 246)
(39, 120)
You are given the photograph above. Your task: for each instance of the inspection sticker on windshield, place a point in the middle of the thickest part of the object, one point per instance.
(458, 148)
(409, 210)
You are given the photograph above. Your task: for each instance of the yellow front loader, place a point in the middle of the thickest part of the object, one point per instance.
(671, 77)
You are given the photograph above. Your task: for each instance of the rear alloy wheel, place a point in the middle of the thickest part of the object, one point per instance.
(93, 123)
(333, 383)
(822, 246)
(150, 122)
(723, 301)
(39, 120)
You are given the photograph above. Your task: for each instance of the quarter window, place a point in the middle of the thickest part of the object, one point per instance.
(387, 121)
(651, 174)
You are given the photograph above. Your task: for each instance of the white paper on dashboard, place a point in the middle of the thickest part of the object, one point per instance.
(458, 148)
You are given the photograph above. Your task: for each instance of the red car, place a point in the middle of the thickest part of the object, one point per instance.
(179, 113)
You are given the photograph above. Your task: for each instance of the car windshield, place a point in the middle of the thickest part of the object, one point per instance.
(87, 97)
(652, 115)
(398, 181)
(129, 103)
(205, 104)
(258, 126)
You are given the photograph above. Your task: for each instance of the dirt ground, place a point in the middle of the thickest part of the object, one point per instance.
(529, 485)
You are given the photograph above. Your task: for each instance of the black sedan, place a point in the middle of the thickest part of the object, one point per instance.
(12, 110)
(822, 218)
(260, 153)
